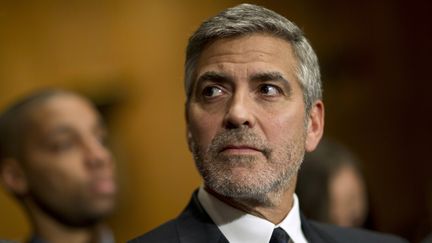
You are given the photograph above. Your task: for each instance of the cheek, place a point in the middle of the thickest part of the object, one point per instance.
(55, 171)
(203, 127)
(47, 182)
(282, 128)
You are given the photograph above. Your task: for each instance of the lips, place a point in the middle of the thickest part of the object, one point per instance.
(104, 186)
(240, 149)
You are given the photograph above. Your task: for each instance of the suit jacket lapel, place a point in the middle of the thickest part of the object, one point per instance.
(312, 234)
(195, 225)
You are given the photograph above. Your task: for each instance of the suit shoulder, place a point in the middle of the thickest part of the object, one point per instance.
(352, 235)
(166, 232)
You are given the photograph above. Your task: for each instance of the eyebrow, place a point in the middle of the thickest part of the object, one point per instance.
(213, 76)
(258, 77)
(53, 133)
(274, 77)
(269, 76)
(63, 129)
(219, 77)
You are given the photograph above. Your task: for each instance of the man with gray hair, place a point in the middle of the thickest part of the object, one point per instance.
(253, 109)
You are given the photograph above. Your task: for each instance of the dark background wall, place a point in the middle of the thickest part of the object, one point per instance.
(128, 55)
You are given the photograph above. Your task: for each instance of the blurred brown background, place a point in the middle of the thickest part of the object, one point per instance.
(128, 57)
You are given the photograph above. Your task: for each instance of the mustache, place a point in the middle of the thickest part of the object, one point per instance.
(239, 136)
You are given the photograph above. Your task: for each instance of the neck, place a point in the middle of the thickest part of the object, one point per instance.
(280, 204)
(53, 231)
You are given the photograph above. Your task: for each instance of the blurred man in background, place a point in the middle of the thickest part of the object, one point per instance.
(330, 186)
(54, 160)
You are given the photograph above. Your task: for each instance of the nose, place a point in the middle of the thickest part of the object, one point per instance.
(239, 112)
(97, 155)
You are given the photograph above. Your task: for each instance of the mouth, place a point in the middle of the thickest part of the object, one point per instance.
(104, 186)
(240, 149)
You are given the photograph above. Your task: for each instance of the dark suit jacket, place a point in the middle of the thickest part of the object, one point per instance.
(194, 225)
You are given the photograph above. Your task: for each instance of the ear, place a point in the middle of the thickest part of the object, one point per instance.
(189, 139)
(188, 132)
(315, 126)
(13, 177)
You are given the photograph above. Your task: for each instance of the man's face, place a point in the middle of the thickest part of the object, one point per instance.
(247, 126)
(347, 198)
(69, 171)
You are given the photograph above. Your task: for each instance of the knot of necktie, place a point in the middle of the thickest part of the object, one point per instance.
(279, 236)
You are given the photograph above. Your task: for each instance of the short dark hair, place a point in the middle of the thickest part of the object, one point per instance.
(14, 121)
(315, 174)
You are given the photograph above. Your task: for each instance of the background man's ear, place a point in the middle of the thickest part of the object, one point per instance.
(189, 139)
(13, 177)
(315, 127)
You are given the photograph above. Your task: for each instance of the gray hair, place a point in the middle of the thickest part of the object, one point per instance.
(247, 19)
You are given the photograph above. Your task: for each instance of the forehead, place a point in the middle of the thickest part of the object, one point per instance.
(262, 50)
(64, 109)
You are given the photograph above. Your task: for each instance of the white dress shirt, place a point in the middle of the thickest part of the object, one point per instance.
(239, 227)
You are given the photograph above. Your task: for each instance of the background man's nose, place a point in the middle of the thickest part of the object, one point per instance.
(96, 154)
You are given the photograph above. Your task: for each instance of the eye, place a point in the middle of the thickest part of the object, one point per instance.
(61, 145)
(270, 90)
(212, 91)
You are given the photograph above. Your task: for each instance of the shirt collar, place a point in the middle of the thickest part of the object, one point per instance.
(238, 226)
(104, 233)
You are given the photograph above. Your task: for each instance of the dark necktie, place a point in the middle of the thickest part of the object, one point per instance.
(279, 236)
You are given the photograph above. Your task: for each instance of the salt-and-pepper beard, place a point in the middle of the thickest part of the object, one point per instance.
(263, 187)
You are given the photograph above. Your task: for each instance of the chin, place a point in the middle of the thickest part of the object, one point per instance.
(104, 208)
